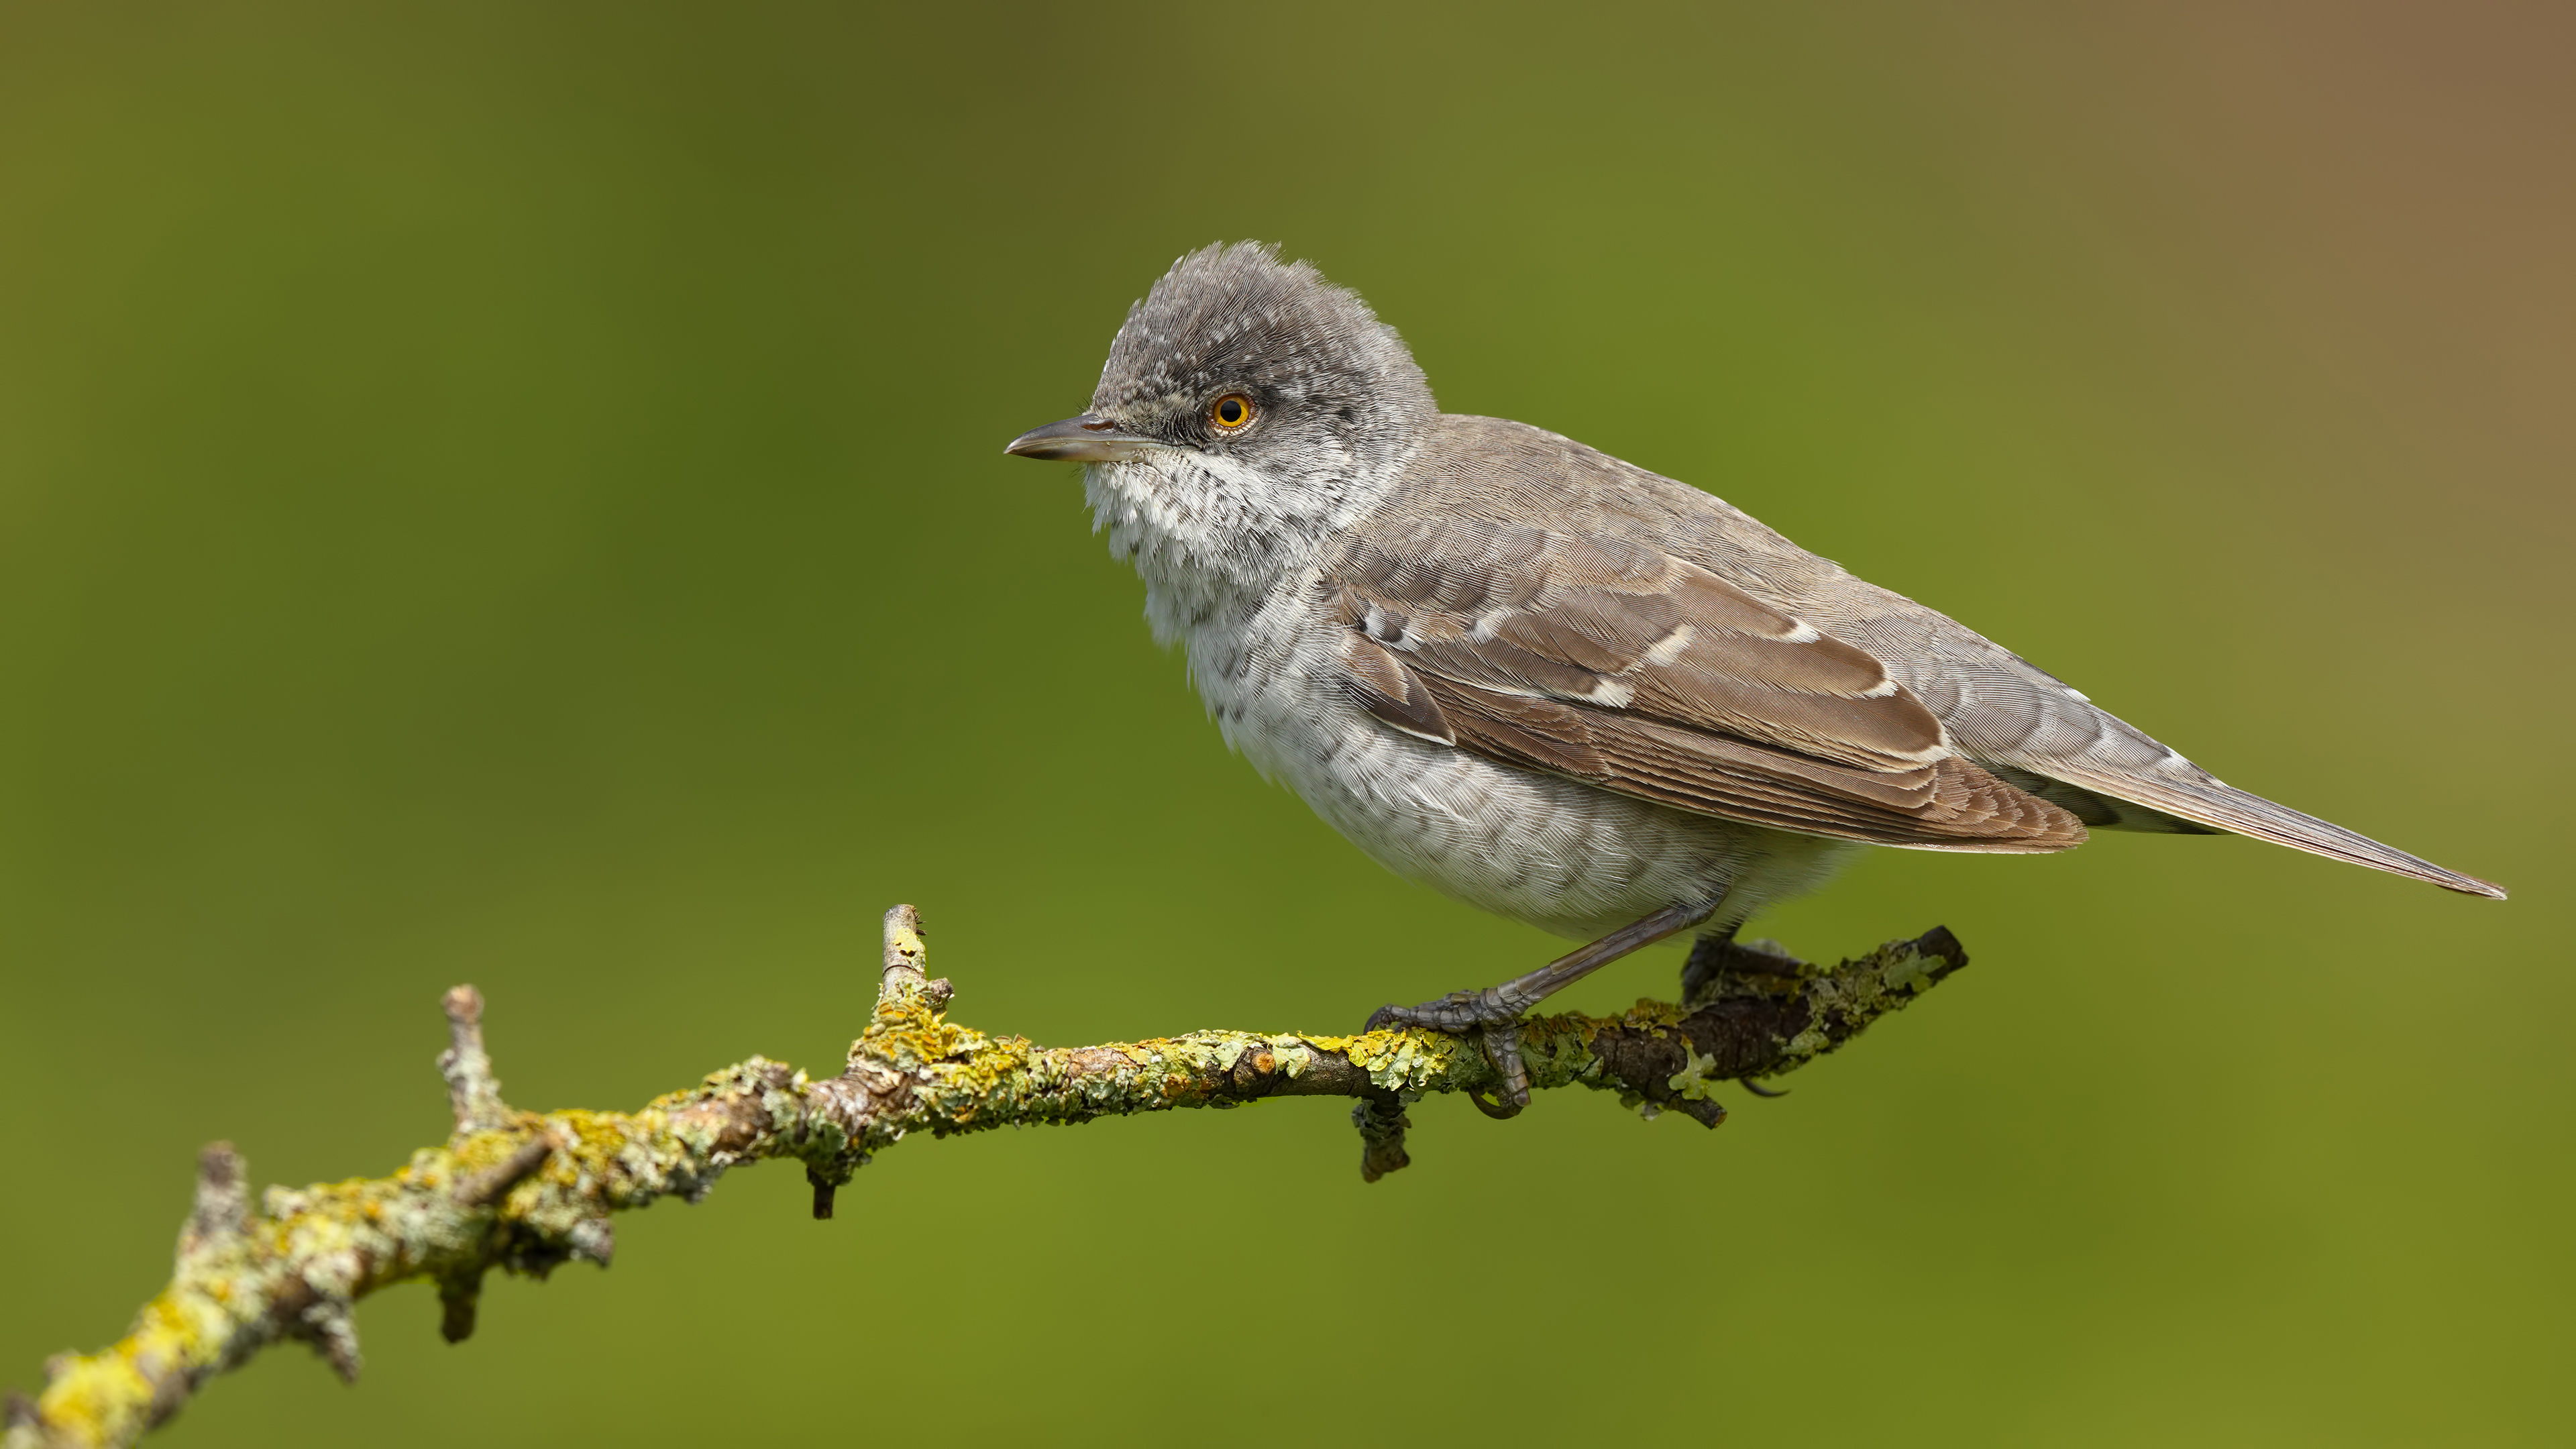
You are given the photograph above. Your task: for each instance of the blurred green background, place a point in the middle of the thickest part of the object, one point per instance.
(513, 493)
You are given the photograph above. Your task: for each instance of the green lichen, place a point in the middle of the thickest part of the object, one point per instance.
(1693, 1081)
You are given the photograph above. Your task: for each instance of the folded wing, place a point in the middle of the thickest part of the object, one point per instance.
(1622, 666)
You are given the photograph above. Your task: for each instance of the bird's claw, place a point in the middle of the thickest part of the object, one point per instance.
(1504, 1100)
(1494, 1020)
(1457, 1013)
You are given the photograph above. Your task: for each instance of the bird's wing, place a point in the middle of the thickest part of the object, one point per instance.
(2023, 724)
(1620, 665)
(2185, 791)
(1998, 711)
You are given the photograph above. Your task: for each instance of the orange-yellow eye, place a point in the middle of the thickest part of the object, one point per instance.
(1230, 412)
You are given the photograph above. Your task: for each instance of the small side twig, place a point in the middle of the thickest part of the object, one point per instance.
(473, 1094)
(484, 1188)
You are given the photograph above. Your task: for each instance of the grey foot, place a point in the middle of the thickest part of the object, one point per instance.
(1457, 1012)
(1494, 1016)
(1495, 1012)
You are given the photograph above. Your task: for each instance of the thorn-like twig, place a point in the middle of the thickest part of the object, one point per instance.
(472, 1092)
(907, 955)
(458, 1296)
(1706, 1111)
(905, 951)
(222, 1207)
(333, 1331)
(825, 1189)
(486, 1187)
(1382, 1122)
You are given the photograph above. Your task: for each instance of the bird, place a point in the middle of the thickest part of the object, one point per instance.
(1553, 684)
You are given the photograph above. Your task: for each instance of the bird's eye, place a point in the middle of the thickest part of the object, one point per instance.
(1230, 412)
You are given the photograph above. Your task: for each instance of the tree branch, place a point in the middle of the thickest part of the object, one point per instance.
(525, 1192)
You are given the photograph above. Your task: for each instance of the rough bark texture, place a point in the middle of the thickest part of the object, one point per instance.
(526, 1191)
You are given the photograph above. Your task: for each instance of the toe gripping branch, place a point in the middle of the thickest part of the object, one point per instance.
(1749, 1012)
(526, 1191)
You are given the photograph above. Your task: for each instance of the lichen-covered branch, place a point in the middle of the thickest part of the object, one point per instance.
(527, 1191)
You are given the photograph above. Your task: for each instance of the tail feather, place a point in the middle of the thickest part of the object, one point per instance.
(2205, 801)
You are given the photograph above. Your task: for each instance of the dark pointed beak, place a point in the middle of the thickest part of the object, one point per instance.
(1086, 439)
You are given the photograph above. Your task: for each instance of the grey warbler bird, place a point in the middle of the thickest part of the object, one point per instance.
(1550, 683)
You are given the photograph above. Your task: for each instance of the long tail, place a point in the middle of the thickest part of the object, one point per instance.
(2224, 807)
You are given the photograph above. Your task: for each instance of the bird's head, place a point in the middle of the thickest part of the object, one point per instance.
(1243, 373)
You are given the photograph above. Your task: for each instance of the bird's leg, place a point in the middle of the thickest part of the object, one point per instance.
(1495, 1012)
(1497, 1005)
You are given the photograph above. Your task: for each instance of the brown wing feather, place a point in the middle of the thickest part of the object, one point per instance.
(1630, 669)
(1949, 804)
